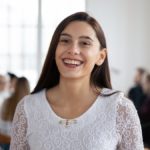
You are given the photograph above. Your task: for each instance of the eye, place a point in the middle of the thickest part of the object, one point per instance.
(85, 43)
(64, 41)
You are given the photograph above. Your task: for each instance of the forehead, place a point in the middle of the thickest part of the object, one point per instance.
(80, 28)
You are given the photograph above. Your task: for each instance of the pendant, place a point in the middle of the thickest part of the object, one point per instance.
(67, 122)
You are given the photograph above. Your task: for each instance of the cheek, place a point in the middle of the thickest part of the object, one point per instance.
(91, 57)
(57, 52)
(57, 56)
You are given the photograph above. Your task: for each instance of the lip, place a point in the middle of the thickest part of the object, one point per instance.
(69, 66)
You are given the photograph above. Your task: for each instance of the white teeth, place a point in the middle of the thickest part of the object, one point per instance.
(72, 62)
(77, 62)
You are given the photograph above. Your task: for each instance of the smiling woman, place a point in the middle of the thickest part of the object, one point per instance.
(73, 105)
(78, 46)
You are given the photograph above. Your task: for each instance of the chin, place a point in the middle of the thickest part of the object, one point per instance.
(70, 76)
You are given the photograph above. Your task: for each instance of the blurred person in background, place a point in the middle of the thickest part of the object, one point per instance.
(144, 113)
(3, 86)
(13, 80)
(8, 109)
(136, 93)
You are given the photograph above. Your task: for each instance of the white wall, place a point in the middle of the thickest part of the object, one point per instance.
(126, 24)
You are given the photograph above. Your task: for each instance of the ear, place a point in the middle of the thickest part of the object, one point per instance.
(102, 56)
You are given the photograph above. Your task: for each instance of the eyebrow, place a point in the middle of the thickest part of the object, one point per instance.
(83, 36)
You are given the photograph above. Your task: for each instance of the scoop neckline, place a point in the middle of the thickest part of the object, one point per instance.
(81, 116)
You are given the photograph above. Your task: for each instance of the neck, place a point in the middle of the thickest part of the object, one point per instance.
(74, 90)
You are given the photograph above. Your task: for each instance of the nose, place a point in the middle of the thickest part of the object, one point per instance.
(74, 49)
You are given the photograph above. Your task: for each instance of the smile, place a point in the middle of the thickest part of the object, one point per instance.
(72, 62)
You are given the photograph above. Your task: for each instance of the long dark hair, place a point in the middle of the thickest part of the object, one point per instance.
(100, 76)
(22, 88)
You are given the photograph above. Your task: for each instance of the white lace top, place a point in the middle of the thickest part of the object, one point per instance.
(111, 123)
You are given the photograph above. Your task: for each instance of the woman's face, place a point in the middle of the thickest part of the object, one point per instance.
(145, 85)
(78, 50)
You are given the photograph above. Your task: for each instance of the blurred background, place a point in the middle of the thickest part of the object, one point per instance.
(26, 28)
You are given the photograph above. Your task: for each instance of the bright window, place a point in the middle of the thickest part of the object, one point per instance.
(26, 28)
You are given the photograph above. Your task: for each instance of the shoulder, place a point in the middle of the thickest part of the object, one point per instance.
(34, 97)
(125, 108)
(111, 94)
(117, 96)
(31, 101)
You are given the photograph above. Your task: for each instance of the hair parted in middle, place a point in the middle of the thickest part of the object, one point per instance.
(100, 76)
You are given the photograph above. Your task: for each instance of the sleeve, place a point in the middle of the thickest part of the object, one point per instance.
(128, 126)
(19, 129)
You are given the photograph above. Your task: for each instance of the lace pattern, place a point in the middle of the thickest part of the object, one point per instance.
(111, 123)
(19, 130)
(128, 125)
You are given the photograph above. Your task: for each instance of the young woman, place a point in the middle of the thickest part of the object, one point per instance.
(7, 110)
(73, 106)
